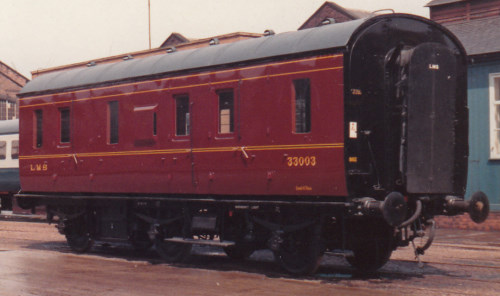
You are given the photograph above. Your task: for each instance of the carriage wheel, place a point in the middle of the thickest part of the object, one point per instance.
(300, 252)
(139, 237)
(236, 229)
(140, 241)
(239, 252)
(172, 252)
(79, 243)
(78, 236)
(370, 255)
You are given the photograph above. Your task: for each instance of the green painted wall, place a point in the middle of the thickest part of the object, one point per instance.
(484, 174)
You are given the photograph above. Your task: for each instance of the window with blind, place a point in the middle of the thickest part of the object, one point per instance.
(226, 111)
(302, 105)
(182, 115)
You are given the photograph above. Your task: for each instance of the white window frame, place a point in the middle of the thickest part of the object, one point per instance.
(494, 131)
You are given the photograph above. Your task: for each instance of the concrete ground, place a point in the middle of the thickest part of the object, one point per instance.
(35, 260)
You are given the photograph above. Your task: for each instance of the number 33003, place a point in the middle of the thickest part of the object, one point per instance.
(299, 161)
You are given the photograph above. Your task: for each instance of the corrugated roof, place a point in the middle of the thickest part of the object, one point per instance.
(480, 36)
(441, 2)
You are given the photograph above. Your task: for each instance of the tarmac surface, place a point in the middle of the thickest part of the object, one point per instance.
(35, 260)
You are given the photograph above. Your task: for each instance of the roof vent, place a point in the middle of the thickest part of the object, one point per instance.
(269, 33)
(128, 57)
(91, 64)
(214, 41)
(328, 21)
(171, 49)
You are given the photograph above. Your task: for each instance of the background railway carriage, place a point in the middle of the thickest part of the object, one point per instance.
(9, 162)
(349, 136)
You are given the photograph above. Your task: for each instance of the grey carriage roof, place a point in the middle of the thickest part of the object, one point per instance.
(9, 126)
(289, 43)
(324, 37)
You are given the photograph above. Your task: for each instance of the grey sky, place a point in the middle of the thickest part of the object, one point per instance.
(38, 34)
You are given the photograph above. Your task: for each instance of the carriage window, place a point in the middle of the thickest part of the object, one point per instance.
(182, 115)
(154, 124)
(113, 126)
(302, 105)
(65, 125)
(226, 112)
(15, 149)
(3, 149)
(38, 128)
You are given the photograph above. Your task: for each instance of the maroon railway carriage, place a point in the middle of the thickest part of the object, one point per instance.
(348, 136)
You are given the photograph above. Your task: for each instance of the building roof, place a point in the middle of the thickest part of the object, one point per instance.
(174, 39)
(442, 2)
(479, 36)
(11, 82)
(12, 75)
(326, 10)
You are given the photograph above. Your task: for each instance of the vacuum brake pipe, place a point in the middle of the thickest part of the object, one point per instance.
(414, 217)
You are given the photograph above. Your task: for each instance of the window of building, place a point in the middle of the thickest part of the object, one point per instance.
(226, 111)
(38, 128)
(3, 149)
(11, 112)
(495, 116)
(65, 125)
(113, 123)
(8, 109)
(182, 115)
(302, 105)
(15, 149)
(3, 109)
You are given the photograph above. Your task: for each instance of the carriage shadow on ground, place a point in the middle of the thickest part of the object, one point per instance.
(333, 269)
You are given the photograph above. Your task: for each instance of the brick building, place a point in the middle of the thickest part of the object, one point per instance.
(330, 10)
(453, 11)
(10, 83)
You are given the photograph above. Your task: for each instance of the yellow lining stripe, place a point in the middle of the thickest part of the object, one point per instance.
(183, 87)
(186, 150)
(189, 76)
